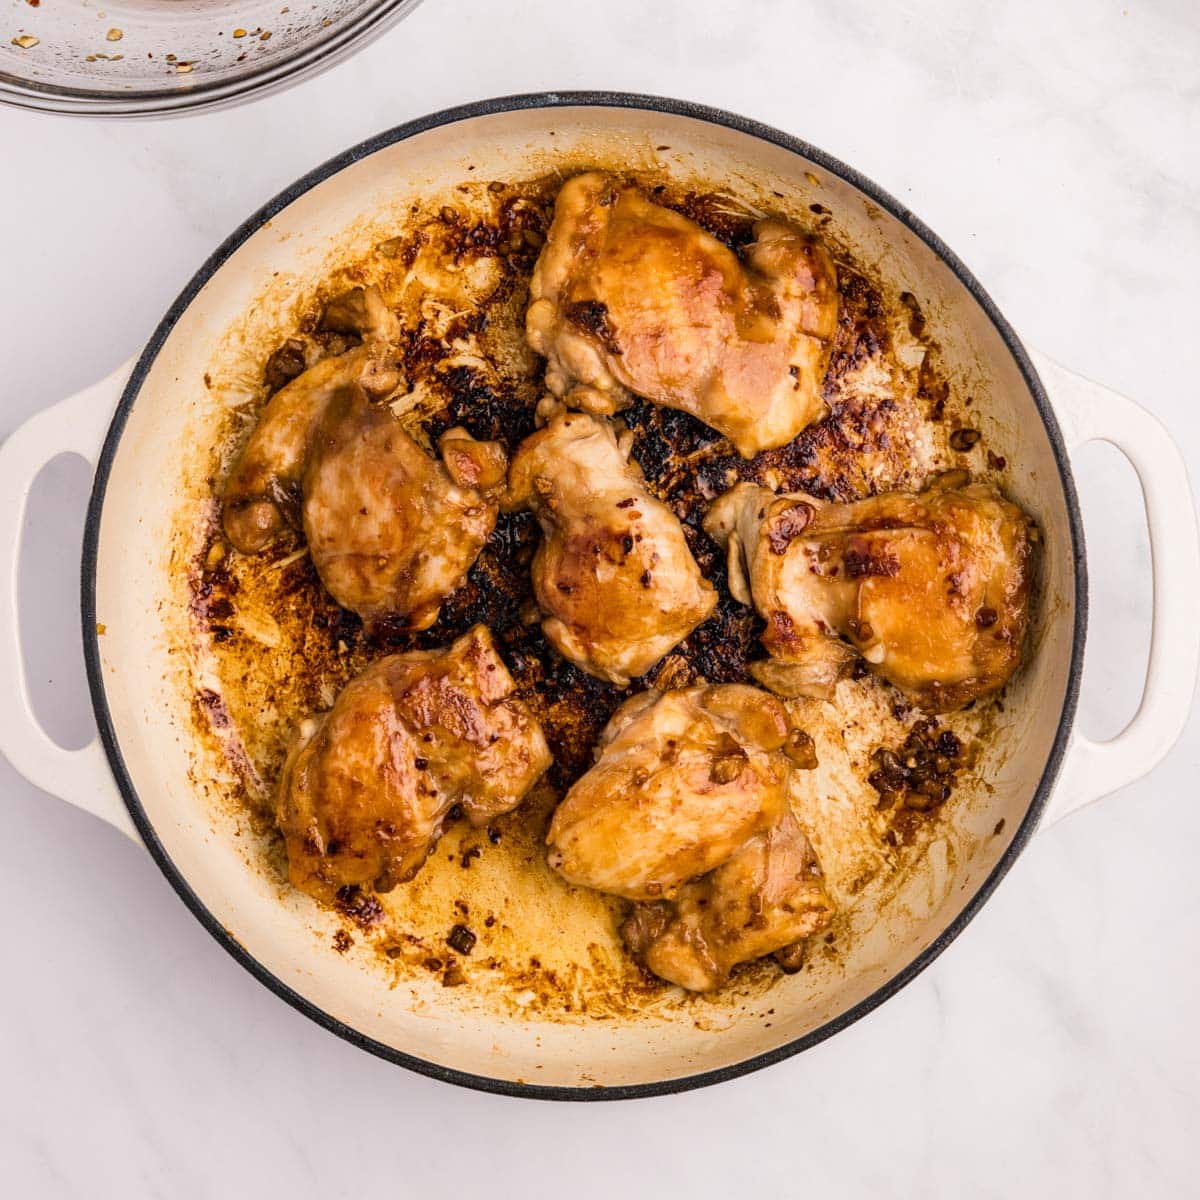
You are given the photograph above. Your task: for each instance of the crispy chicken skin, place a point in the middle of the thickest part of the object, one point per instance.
(367, 787)
(391, 530)
(262, 492)
(628, 296)
(613, 575)
(932, 590)
(767, 897)
(684, 778)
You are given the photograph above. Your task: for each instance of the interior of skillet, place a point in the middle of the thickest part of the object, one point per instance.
(210, 660)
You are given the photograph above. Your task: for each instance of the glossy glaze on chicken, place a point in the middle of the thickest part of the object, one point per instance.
(391, 530)
(613, 575)
(631, 298)
(682, 779)
(688, 811)
(369, 785)
(930, 590)
(768, 897)
(418, 410)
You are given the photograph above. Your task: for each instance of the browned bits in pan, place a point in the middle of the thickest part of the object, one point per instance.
(921, 774)
(791, 958)
(858, 450)
(461, 939)
(916, 318)
(361, 907)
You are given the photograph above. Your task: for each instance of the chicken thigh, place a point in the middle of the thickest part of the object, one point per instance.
(683, 779)
(767, 897)
(932, 590)
(613, 575)
(262, 492)
(391, 530)
(628, 296)
(368, 786)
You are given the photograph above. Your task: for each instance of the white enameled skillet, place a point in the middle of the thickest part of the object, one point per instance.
(140, 426)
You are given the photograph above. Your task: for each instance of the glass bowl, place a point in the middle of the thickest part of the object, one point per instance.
(148, 57)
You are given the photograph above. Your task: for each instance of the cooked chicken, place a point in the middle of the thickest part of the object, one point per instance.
(768, 897)
(262, 493)
(391, 530)
(368, 786)
(628, 296)
(932, 589)
(613, 575)
(683, 780)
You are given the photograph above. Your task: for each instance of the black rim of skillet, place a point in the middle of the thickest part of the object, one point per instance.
(108, 733)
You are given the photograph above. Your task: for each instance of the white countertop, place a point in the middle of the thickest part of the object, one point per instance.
(1053, 1050)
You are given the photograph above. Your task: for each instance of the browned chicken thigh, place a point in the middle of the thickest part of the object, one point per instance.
(687, 812)
(368, 786)
(931, 590)
(262, 493)
(683, 779)
(613, 574)
(765, 899)
(631, 297)
(391, 530)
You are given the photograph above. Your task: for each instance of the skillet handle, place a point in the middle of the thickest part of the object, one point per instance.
(1089, 412)
(81, 777)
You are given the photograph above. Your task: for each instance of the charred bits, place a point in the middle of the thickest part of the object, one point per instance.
(461, 939)
(360, 906)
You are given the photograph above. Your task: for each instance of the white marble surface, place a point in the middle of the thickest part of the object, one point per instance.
(1054, 1049)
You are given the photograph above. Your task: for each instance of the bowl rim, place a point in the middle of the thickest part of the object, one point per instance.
(311, 56)
(108, 732)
